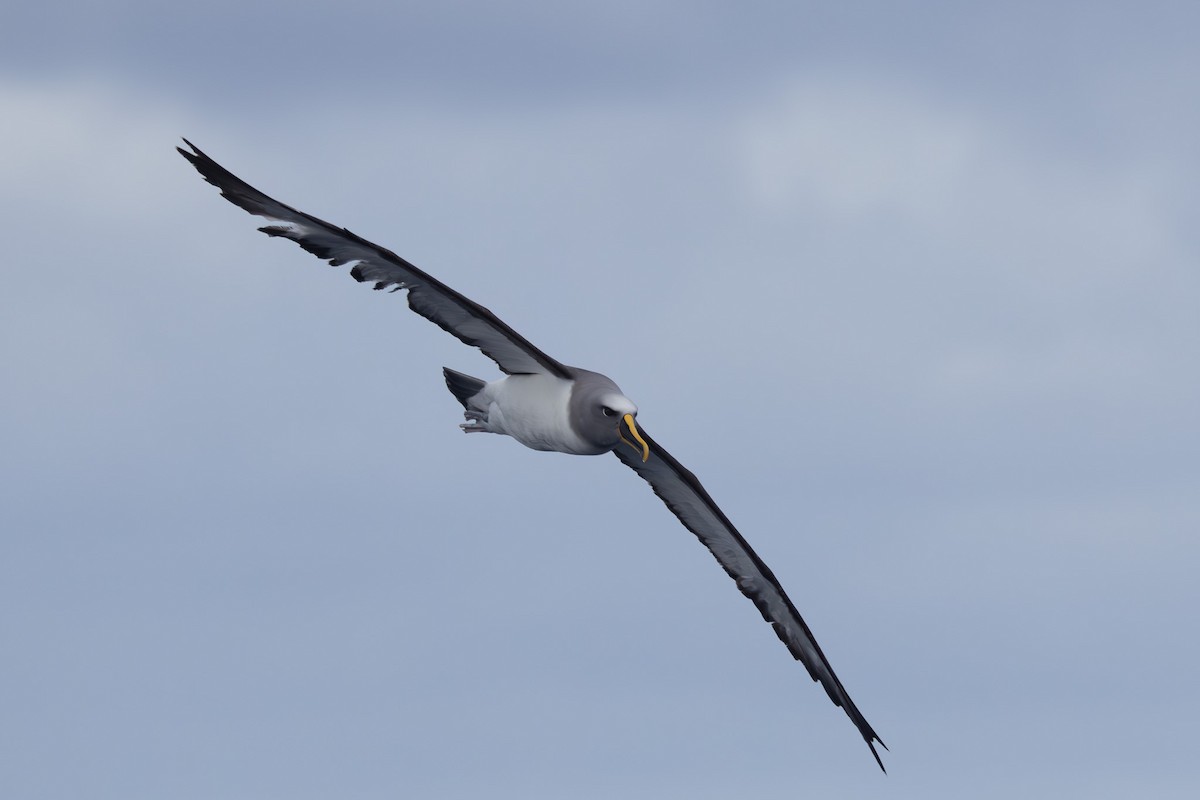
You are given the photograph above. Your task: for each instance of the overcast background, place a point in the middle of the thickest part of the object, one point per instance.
(912, 287)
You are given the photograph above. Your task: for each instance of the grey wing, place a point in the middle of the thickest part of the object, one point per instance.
(687, 499)
(429, 297)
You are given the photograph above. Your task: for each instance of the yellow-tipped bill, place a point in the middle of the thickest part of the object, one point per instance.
(645, 448)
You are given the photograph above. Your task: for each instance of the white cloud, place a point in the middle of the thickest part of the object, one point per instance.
(849, 146)
(86, 148)
(1033, 265)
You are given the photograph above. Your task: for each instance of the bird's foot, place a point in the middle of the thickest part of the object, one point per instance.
(476, 422)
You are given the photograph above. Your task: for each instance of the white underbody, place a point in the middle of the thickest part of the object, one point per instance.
(533, 409)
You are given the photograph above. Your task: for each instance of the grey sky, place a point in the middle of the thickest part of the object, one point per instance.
(911, 289)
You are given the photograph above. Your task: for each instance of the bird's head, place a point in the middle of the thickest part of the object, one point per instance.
(604, 416)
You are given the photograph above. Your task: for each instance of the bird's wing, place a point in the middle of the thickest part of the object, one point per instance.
(429, 297)
(687, 499)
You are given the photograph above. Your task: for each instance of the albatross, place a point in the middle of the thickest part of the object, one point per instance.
(547, 405)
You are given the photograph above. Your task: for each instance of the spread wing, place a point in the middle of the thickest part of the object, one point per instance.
(687, 499)
(429, 297)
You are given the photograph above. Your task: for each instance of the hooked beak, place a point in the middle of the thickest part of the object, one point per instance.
(627, 420)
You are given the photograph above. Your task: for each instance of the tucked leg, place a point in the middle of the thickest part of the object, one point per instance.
(476, 422)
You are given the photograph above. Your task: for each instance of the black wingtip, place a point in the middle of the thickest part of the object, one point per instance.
(875, 753)
(211, 171)
(192, 156)
(871, 742)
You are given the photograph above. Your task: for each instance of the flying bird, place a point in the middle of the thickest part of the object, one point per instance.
(547, 405)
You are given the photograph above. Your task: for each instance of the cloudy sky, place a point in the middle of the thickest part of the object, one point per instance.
(911, 287)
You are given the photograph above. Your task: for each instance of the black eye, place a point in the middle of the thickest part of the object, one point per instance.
(608, 412)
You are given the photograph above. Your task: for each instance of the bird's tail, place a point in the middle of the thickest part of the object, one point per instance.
(464, 387)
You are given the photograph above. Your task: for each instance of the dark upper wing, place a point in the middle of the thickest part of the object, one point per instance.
(429, 297)
(683, 494)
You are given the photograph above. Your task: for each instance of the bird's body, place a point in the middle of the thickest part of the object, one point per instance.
(533, 409)
(537, 410)
(546, 405)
